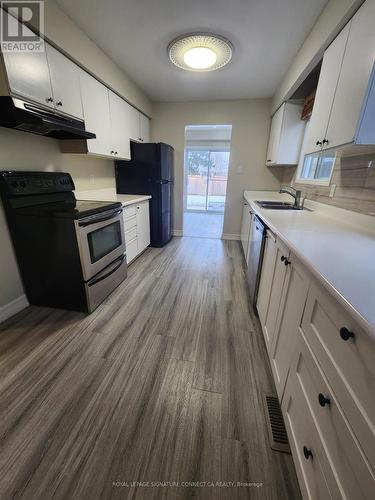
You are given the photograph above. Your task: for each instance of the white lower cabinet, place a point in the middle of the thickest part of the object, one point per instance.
(324, 372)
(292, 303)
(274, 276)
(137, 229)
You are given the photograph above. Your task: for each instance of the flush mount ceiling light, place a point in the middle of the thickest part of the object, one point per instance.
(200, 51)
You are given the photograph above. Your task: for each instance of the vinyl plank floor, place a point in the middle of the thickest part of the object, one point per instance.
(156, 395)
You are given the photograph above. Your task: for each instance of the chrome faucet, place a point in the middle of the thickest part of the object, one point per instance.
(296, 194)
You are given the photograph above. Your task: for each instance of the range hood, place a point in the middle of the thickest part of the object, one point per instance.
(21, 115)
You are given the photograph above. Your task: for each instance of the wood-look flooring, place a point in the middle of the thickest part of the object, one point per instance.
(203, 224)
(162, 383)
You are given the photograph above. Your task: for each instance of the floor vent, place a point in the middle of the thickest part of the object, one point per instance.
(275, 424)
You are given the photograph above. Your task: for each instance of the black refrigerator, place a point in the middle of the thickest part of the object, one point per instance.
(150, 171)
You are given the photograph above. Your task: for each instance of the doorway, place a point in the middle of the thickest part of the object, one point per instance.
(207, 154)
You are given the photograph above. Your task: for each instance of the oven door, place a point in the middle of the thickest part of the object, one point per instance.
(101, 240)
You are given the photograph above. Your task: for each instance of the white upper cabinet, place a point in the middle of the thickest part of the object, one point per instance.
(286, 135)
(144, 128)
(65, 83)
(120, 140)
(97, 117)
(27, 72)
(354, 78)
(325, 92)
(139, 126)
(344, 106)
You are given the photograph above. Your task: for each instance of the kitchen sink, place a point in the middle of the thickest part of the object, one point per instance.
(277, 205)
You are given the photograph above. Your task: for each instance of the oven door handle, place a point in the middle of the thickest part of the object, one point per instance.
(100, 219)
(98, 280)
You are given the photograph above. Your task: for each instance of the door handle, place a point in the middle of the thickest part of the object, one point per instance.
(100, 219)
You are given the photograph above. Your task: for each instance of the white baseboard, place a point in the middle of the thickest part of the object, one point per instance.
(228, 236)
(13, 307)
(177, 232)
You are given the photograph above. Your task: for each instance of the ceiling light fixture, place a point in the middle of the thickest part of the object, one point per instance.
(200, 51)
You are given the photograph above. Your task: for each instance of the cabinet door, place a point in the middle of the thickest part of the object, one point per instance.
(120, 141)
(27, 72)
(65, 83)
(289, 319)
(275, 133)
(134, 124)
(144, 128)
(325, 93)
(97, 118)
(143, 225)
(282, 254)
(354, 77)
(266, 277)
(245, 227)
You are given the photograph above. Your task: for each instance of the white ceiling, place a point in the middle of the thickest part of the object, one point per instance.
(266, 35)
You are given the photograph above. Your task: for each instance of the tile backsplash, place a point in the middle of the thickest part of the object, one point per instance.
(354, 178)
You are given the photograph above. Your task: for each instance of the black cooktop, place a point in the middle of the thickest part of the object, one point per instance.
(70, 209)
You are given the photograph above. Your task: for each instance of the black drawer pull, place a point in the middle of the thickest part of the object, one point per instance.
(307, 453)
(323, 400)
(287, 262)
(283, 258)
(346, 334)
(318, 143)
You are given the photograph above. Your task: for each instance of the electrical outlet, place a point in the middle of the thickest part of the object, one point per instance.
(332, 191)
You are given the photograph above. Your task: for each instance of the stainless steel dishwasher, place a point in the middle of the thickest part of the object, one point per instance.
(257, 241)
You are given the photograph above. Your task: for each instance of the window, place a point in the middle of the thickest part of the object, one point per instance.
(316, 168)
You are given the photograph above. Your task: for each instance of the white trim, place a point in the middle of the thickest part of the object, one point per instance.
(228, 236)
(177, 232)
(13, 307)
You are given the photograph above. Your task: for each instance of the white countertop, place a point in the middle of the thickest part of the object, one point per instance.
(338, 246)
(111, 195)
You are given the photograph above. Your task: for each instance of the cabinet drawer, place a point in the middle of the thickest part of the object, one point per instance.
(314, 474)
(347, 364)
(130, 235)
(130, 211)
(351, 468)
(130, 223)
(131, 250)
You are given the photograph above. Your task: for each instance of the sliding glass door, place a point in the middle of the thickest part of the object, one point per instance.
(206, 179)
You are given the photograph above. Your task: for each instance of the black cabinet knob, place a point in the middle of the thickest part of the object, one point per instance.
(323, 400)
(319, 143)
(59, 103)
(287, 262)
(346, 334)
(49, 99)
(325, 141)
(112, 152)
(307, 453)
(283, 258)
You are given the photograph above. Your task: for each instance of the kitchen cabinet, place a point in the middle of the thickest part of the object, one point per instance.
(346, 472)
(245, 228)
(281, 263)
(289, 318)
(144, 128)
(97, 117)
(119, 139)
(139, 128)
(65, 83)
(345, 101)
(268, 269)
(143, 225)
(286, 135)
(346, 355)
(27, 72)
(137, 229)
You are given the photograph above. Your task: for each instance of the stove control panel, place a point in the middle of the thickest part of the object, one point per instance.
(28, 183)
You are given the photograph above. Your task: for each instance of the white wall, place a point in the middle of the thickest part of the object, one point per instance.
(330, 22)
(250, 121)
